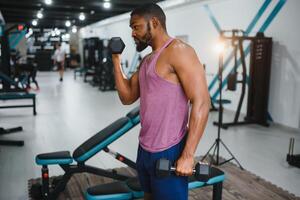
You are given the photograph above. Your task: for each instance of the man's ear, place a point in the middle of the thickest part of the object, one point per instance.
(155, 22)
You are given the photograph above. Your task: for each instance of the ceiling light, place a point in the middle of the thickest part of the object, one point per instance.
(82, 16)
(57, 32)
(68, 23)
(67, 36)
(39, 15)
(92, 12)
(74, 29)
(34, 22)
(106, 5)
(48, 2)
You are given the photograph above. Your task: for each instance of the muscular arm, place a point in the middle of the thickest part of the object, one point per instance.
(192, 77)
(128, 90)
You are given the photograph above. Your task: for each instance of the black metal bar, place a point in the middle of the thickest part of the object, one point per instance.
(236, 118)
(12, 142)
(17, 106)
(217, 191)
(231, 154)
(105, 173)
(120, 157)
(34, 105)
(226, 125)
(45, 181)
(203, 158)
(10, 130)
(226, 161)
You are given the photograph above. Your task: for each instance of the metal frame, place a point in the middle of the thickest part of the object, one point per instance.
(80, 168)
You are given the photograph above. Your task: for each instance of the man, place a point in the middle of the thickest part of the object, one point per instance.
(168, 79)
(59, 60)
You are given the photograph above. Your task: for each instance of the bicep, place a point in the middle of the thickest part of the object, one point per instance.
(134, 85)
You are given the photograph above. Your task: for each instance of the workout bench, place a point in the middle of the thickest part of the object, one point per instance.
(18, 96)
(84, 152)
(131, 189)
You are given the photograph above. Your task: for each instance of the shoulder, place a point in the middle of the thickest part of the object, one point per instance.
(178, 46)
(180, 53)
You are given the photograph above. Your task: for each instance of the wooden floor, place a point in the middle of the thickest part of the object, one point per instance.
(238, 185)
(68, 113)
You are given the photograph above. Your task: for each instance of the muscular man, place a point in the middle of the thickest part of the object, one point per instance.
(169, 79)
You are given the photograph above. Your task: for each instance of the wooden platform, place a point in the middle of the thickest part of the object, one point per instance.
(238, 185)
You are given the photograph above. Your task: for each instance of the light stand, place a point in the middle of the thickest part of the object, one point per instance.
(218, 141)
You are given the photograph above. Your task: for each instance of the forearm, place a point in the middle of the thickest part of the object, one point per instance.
(197, 124)
(122, 84)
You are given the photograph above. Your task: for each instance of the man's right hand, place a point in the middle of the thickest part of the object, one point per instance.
(116, 58)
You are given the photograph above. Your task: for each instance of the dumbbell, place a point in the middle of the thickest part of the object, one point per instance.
(164, 169)
(116, 45)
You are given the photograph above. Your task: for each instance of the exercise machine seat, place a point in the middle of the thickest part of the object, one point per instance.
(59, 157)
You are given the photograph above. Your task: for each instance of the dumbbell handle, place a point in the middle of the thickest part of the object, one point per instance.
(173, 169)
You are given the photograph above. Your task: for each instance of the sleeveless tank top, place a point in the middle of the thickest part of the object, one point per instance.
(164, 107)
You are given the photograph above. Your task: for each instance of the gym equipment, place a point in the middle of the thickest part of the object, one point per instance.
(83, 153)
(11, 142)
(19, 96)
(260, 66)
(116, 45)
(90, 53)
(106, 76)
(9, 85)
(131, 189)
(292, 159)
(164, 169)
(218, 141)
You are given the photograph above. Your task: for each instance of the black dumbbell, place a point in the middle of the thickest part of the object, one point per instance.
(164, 169)
(116, 45)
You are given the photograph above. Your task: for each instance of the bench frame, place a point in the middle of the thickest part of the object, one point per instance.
(33, 105)
(70, 169)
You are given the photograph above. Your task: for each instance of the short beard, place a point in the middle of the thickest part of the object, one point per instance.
(145, 41)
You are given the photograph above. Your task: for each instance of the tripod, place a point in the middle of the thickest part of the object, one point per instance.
(218, 141)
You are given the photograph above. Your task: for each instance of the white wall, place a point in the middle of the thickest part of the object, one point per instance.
(192, 19)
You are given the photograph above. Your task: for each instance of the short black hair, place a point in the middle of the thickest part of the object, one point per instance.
(151, 10)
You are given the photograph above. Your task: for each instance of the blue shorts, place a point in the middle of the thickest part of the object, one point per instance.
(166, 188)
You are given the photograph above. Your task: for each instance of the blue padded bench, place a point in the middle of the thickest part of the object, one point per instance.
(84, 152)
(18, 96)
(131, 188)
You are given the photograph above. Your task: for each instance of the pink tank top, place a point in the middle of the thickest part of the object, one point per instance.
(163, 108)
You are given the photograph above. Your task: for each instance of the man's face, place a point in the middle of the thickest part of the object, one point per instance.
(141, 32)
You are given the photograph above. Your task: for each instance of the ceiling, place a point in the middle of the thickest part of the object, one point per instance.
(57, 13)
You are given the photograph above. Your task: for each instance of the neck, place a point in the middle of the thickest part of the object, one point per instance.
(158, 41)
